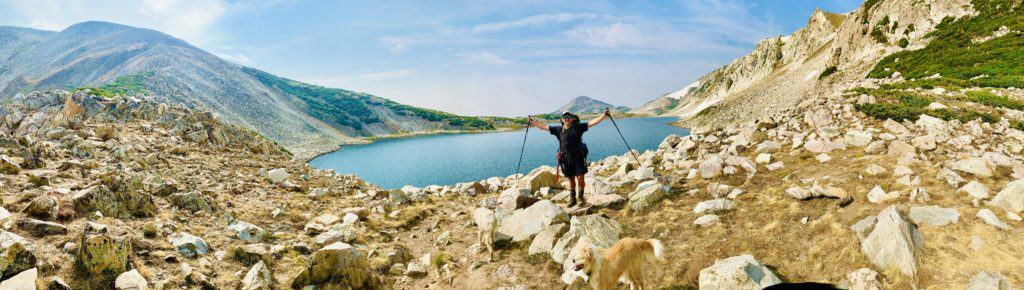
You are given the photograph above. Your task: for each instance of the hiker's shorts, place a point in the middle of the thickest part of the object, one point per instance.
(573, 166)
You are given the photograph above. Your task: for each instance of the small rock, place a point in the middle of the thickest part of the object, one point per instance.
(990, 217)
(933, 215)
(706, 220)
(188, 245)
(131, 280)
(989, 281)
(739, 272)
(713, 206)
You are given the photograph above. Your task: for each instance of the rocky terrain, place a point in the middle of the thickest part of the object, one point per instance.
(116, 59)
(103, 193)
(821, 58)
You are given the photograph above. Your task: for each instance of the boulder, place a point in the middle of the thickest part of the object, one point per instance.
(818, 146)
(951, 177)
(321, 223)
(42, 207)
(763, 158)
(188, 245)
(277, 175)
(874, 169)
(102, 254)
(131, 280)
(41, 228)
(246, 231)
(398, 197)
(8, 166)
(336, 233)
(990, 218)
(989, 281)
(933, 215)
(924, 143)
(193, 201)
(976, 190)
(899, 149)
(739, 272)
(973, 165)
(713, 206)
(514, 198)
(546, 239)
(121, 201)
(17, 255)
(1011, 198)
(706, 220)
(541, 177)
(878, 195)
(856, 138)
(335, 266)
(525, 223)
(712, 167)
(893, 243)
(26, 280)
(774, 166)
(644, 198)
(862, 279)
(606, 200)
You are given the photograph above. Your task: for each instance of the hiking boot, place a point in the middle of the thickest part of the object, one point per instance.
(572, 200)
(583, 201)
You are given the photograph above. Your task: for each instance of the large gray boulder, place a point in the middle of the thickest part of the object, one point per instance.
(739, 272)
(131, 280)
(647, 196)
(989, 281)
(336, 265)
(26, 280)
(712, 167)
(1011, 198)
(546, 239)
(893, 243)
(188, 245)
(934, 215)
(973, 165)
(258, 278)
(17, 255)
(524, 223)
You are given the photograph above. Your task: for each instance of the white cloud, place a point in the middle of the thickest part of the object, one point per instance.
(388, 74)
(187, 19)
(396, 44)
(535, 20)
(483, 57)
(237, 57)
(615, 35)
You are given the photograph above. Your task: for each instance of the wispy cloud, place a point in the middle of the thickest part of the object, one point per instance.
(236, 57)
(396, 44)
(187, 19)
(388, 74)
(482, 57)
(533, 21)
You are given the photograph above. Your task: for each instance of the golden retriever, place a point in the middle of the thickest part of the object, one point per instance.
(603, 268)
(486, 226)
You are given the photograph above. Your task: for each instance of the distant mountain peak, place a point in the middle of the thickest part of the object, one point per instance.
(587, 105)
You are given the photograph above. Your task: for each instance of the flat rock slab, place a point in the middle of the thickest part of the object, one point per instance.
(739, 272)
(934, 215)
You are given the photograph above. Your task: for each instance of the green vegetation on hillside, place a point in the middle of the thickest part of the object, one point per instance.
(127, 85)
(827, 72)
(343, 108)
(998, 62)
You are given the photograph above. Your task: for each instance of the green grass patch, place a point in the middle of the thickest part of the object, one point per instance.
(993, 100)
(904, 106)
(952, 54)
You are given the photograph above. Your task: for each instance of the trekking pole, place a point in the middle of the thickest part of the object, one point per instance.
(524, 144)
(624, 140)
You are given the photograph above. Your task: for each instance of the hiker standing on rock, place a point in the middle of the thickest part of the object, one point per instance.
(572, 152)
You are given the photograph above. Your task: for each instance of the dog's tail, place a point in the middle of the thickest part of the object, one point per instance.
(657, 250)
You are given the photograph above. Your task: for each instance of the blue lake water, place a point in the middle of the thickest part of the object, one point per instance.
(453, 158)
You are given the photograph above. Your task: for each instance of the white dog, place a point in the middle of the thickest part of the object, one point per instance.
(486, 226)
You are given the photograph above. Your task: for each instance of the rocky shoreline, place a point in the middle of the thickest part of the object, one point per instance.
(103, 193)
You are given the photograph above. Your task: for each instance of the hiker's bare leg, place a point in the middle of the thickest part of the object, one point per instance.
(572, 191)
(581, 183)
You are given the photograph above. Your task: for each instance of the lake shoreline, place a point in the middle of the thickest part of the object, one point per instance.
(448, 158)
(370, 140)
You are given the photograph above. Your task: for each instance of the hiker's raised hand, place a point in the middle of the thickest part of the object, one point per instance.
(607, 112)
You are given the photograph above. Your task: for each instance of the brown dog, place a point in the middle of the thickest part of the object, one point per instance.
(624, 261)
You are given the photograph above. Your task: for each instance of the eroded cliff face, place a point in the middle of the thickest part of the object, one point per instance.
(782, 71)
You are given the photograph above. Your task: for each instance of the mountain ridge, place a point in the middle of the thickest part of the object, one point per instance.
(306, 119)
(588, 105)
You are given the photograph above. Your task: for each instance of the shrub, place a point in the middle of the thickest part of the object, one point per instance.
(903, 43)
(827, 72)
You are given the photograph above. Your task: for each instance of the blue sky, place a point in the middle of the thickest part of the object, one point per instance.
(500, 57)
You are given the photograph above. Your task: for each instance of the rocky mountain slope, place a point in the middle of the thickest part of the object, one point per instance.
(118, 59)
(817, 60)
(587, 105)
